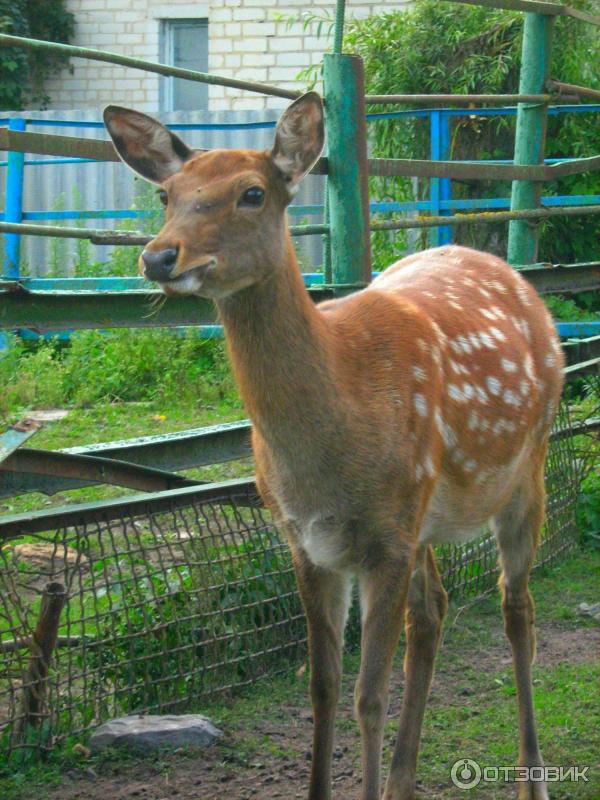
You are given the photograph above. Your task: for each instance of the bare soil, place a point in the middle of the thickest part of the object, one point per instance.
(281, 770)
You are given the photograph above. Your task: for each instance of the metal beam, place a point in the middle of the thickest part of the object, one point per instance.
(197, 447)
(44, 312)
(89, 53)
(581, 350)
(241, 491)
(563, 278)
(78, 147)
(88, 470)
(473, 99)
(15, 436)
(549, 9)
(485, 217)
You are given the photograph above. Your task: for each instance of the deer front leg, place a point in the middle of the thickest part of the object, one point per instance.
(326, 598)
(383, 597)
(427, 605)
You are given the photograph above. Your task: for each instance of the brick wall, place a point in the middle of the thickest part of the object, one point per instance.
(245, 41)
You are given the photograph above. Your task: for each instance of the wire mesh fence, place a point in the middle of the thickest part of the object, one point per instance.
(184, 597)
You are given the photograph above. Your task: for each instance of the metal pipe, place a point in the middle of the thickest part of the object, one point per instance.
(14, 203)
(105, 237)
(549, 9)
(487, 217)
(473, 99)
(578, 91)
(530, 136)
(147, 66)
(347, 185)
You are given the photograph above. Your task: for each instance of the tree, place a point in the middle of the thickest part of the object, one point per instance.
(23, 72)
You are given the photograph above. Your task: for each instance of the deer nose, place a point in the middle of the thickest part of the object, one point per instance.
(159, 264)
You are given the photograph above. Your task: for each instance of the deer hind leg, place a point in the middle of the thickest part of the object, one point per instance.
(517, 528)
(427, 606)
(383, 591)
(326, 599)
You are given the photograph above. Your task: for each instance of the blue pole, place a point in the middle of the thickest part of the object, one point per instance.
(439, 188)
(445, 183)
(14, 204)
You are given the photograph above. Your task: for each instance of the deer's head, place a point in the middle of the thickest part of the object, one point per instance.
(225, 209)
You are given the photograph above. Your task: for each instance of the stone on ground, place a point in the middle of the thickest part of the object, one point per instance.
(150, 732)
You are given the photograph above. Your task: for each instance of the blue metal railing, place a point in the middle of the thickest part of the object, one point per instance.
(440, 200)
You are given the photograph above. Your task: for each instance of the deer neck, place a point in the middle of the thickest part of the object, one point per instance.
(279, 347)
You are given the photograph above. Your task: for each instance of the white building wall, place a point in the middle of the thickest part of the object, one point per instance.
(245, 41)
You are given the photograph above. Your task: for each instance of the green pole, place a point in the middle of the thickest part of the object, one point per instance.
(347, 187)
(530, 134)
(338, 42)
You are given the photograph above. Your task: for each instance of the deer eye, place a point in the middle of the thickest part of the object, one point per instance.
(163, 197)
(254, 196)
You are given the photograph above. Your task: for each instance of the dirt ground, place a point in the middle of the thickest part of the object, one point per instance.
(281, 770)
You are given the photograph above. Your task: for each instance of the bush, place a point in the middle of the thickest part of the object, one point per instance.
(119, 365)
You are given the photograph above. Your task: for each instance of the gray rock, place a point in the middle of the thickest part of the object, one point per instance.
(151, 732)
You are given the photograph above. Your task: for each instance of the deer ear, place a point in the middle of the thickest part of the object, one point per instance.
(144, 144)
(299, 138)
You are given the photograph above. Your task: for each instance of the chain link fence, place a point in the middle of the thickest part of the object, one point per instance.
(156, 605)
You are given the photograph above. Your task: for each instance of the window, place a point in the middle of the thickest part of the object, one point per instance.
(184, 43)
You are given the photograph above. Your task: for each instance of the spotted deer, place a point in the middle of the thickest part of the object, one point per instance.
(409, 413)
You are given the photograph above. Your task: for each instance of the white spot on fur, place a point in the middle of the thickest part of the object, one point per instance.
(468, 390)
(419, 374)
(470, 465)
(463, 344)
(474, 339)
(455, 393)
(508, 365)
(473, 423)
(487, 341)
(497, 334)
(487, 313)
(523, 294)
(528, 366)
(428, 465)
(524, 387)
(493, 385)
(550, 360)
(481, 395)
(420, 405)
(511, 399)
(457, 456)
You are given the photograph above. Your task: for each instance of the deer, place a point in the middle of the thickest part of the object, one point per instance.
(411, 412)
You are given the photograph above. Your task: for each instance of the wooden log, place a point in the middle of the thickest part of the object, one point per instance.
(43, 643)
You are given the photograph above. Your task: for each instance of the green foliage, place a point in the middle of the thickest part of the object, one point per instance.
(581, 307)
(446, 48)
(435, 47)
(121, 365)
(22, 72)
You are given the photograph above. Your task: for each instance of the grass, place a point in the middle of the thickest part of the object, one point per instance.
(472, 711)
